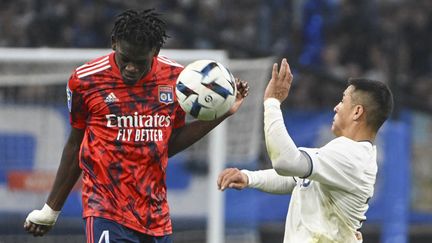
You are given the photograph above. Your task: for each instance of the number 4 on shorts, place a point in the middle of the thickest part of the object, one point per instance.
(104, 237)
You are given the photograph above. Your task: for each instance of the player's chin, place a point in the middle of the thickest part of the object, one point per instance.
(334, 129)
(130, 80)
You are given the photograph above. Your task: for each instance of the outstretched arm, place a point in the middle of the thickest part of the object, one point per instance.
(263, 180)
(40, 222)
(286, 158)
(190, 133)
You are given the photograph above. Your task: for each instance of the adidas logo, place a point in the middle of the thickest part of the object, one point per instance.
(111, 98)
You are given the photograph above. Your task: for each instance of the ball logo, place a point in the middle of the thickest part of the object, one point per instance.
(208, 98)
(165, 94)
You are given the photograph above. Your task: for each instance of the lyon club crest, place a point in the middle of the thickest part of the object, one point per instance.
(166, 94)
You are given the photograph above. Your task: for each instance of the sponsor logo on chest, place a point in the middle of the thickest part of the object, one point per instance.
(139, 128)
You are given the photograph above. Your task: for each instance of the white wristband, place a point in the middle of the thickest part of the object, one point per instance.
(51, 213)
(45, 216)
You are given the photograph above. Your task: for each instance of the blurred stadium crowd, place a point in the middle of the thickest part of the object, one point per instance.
(326, 40)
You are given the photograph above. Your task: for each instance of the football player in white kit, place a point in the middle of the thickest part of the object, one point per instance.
(331, 185)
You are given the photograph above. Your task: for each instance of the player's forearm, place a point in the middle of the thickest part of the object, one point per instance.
(286, 158)
(269, 181)
(66, 177)
(67, 173)
(191, 133)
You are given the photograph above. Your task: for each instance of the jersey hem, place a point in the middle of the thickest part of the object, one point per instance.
(131, 226)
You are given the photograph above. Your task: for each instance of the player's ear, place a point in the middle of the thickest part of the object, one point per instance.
(156, 51)
(113, 43)
(358, 112)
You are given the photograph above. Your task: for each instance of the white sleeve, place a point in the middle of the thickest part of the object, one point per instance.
(334, 165)
(286, 158)
(269, 181)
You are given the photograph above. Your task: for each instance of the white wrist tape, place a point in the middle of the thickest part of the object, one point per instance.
(45, 216)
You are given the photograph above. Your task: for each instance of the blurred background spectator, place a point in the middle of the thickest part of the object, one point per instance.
(327, 40)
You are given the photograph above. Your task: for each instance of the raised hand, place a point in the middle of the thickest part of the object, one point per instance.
(280, 82)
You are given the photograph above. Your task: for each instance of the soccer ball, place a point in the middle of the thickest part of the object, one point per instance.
(206, 90)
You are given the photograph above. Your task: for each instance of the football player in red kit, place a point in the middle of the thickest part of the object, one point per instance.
(126, 122)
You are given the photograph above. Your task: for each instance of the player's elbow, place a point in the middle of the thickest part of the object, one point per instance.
(281, 167)
(290, 165)
(281, 172)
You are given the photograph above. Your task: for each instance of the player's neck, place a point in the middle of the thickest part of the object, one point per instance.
(356, 133)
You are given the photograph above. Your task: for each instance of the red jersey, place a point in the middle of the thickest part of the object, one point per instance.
(124, 152)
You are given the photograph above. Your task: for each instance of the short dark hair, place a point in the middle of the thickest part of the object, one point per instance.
(143, 27)
(376, 98)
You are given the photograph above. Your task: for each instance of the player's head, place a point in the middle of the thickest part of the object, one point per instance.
(365, 101)
(136, 38)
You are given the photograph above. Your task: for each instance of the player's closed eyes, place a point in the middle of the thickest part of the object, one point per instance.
(125, 59)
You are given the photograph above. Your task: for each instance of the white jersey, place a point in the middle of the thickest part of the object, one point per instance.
(330, 205)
